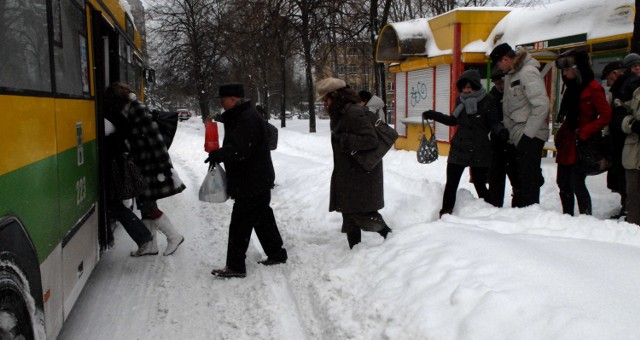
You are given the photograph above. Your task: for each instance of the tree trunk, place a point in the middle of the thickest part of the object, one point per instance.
(635, 38)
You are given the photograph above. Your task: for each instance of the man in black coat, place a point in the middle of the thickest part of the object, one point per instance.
(503, 157)
(250, 178)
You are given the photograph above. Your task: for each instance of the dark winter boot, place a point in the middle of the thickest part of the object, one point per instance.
(585, 210)
(354, 237)
(567, 202)
(445, 211)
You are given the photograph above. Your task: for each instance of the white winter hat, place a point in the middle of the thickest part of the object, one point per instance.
(328, 85)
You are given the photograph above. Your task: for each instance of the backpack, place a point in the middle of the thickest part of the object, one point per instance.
(272, 136)
(167, 124)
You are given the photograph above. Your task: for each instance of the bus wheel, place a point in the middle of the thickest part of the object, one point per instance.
(15, 322)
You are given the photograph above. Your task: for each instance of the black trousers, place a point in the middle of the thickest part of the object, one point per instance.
(571, 181)
(131, 223)
(503, 165)
(251, 213)
(528, 158)
(454, 172)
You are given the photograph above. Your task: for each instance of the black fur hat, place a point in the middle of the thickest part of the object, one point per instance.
(231, 90)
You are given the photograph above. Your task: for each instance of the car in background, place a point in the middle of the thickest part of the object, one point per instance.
(184, 114)
(287, 115)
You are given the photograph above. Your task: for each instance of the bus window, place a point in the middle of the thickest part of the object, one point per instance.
(23, 51)
(72, 73)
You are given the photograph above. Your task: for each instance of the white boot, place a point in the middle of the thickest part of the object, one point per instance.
(151, 247)
(174, 238)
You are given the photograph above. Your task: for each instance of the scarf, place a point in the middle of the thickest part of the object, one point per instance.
(469, 102)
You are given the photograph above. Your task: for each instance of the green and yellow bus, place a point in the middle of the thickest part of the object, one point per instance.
(56, 58)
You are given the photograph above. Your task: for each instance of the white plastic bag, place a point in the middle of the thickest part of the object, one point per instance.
(214, 186)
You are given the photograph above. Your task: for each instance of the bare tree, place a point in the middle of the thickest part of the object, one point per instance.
(188, 47)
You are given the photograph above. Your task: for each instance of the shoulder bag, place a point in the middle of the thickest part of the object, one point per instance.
(428, 148)
(126, 179)
(593, 156)
(387, 136)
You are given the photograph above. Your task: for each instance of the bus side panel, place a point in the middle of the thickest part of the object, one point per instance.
(77, 159)
(28, 171)
(76, 251)
(78, 182)
(52, 287)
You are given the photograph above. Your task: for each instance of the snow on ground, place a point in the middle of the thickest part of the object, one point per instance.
(481, 273)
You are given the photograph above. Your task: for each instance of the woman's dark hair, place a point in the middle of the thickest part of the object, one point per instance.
(342, 97)
(116, 96)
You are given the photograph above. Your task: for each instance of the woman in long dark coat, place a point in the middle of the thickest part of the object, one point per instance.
(476, 114)
(356, 193)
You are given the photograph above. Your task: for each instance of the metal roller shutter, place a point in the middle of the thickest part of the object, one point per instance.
(443, 95)
(401, 102)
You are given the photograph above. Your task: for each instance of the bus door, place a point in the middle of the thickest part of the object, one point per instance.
(104, 44)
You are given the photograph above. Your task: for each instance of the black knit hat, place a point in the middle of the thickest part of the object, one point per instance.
(610, 67)
(469, 76)
(231, 90)
(365, 96)
(497, 73)
(499, 52)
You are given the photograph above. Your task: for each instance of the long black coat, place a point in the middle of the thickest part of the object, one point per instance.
(470, 145)
(245, 153)
(354, 190)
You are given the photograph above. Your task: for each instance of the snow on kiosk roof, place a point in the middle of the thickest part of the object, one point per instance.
(399, 40)
(601, 25)
(439, 38)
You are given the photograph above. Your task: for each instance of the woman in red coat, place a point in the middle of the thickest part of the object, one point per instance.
(584, 112)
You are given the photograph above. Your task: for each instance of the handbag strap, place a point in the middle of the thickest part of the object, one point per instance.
(429, 125)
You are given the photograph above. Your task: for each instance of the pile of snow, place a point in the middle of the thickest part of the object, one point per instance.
(481, 273)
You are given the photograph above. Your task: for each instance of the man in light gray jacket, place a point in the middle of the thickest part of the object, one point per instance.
(525, 112)
(373, 103)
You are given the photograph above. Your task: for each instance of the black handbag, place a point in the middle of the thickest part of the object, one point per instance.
(428, 148)
(126, 179)
(593, 156)
(387, 136)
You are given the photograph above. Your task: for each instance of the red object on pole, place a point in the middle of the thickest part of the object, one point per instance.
(211, 136)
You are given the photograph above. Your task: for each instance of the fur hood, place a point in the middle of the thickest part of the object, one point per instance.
(522, 58)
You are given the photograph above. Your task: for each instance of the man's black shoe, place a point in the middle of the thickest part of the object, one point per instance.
(385, 231)
(227, 273)
(270, 262)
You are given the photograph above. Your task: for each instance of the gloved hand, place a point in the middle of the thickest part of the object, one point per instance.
(430, 114)
(214, 157)
(635, 126)
(503, 135)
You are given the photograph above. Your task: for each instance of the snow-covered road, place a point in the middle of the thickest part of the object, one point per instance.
(481, 273)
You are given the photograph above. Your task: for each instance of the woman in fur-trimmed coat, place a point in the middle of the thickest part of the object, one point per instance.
(584, 112)
(151, 156)
(356, 193)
